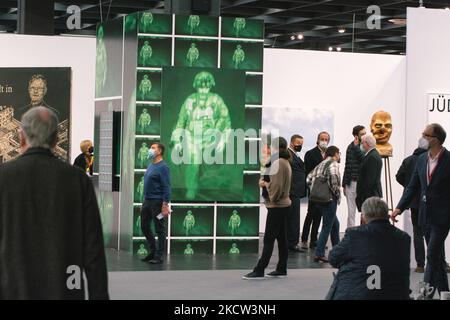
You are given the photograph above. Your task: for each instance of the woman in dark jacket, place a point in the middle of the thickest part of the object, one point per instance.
(85, 160)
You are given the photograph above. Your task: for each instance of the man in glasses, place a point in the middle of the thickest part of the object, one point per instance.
(431, 178)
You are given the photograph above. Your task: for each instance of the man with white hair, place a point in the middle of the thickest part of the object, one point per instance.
(373, 259)
(369, 180)
(50, 228)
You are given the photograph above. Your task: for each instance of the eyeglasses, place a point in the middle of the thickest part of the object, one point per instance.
(428, 135)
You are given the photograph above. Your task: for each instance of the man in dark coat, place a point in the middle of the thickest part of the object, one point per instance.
(403, 177)
(313, 217)
(50, 228)
(431, 178)
(369, 180)
(353, 158)
(373, 259)
(298, 191)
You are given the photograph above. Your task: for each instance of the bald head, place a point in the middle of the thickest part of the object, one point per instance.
(39, 128)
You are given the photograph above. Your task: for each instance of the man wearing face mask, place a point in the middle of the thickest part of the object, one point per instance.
(369, 180)
(156, 202)
(403, 177)
(297, 191)
(312, 159)
(353, 157)
(431, 178)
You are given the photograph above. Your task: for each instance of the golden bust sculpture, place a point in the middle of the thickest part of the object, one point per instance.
(381, 127)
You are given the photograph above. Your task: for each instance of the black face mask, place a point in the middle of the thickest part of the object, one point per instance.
(298, 148)
(91, 150)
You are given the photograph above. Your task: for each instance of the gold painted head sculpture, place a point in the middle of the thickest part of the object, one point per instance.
(381, 128)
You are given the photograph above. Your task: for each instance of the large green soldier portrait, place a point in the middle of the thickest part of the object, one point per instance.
(148, 85)
(196, 53)
(197, 125)
(155, 23)
(238, 221)
(154, 52)
(242, 28)
(197, 25)
(242, 55)
(192, 221)
(148, 119)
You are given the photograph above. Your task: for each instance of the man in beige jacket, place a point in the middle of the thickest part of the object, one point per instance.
(277, 183)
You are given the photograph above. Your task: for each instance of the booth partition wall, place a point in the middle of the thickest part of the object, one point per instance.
(193, 83)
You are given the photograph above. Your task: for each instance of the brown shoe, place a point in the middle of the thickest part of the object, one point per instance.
(419, 270)
(321, 259)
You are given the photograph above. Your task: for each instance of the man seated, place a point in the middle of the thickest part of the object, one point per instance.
(373, 259)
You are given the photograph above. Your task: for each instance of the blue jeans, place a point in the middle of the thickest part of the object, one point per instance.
(330, 227)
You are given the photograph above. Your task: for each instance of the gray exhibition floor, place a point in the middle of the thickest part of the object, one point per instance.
(301, 284)
(217, 277)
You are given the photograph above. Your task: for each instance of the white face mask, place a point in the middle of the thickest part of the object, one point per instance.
(323, 144)
(424, 143)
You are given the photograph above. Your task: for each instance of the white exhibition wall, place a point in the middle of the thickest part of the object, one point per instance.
(428, 71)
(54, 51)
(353, 86)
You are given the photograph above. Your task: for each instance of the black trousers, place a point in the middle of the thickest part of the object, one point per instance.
(436, 269)
(150, 209)
(293, 223)
(419, 240)
(313, 216)
(275, 229)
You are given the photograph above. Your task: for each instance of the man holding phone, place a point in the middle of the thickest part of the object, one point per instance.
(156, 202)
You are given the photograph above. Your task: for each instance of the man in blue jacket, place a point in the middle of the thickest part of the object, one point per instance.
(431, 178)
(156, 204)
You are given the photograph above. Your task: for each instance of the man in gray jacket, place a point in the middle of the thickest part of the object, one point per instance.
(278, 203)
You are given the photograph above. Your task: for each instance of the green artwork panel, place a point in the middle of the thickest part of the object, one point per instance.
(252, 155)
(253, 89)
(191, 247)
(138, 187)
(241, 55)
(131, 22)
(140, 248)
(238, 221)
(137, 230)
(148, 120)
(155, 23)
(142, 146)
(242, 28)
(108, 70)
(209, 101)
(251, 188)
(235, 247)
(192, 221)
(253, 119)
(195, 25)
(196, 53)
(154, 52)
(148, 85)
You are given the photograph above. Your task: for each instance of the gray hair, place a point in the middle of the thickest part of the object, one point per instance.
(374, 208)
(40, 126)
(370, 140)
